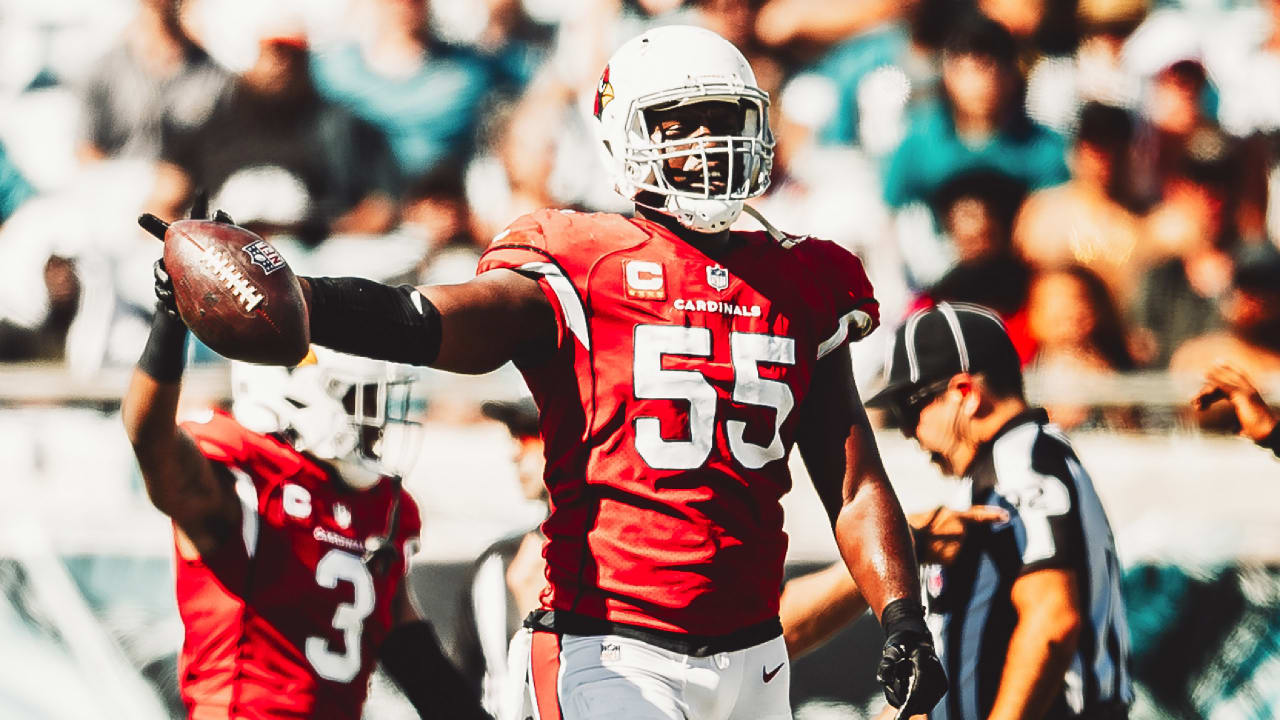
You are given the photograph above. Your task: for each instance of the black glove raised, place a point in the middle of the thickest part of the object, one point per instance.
(909, 670)
(164, 356)
(164, 290)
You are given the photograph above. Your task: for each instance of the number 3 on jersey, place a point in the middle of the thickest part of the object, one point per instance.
(349, 618)
(652, 381)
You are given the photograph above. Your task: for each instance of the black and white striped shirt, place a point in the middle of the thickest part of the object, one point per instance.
(1056, 521)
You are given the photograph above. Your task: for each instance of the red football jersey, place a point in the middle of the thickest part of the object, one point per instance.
(668, 410)
(284, 620)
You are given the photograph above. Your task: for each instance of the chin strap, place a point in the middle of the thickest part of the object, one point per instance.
(782, 238)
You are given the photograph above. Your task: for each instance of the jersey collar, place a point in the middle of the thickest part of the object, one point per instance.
(979, 472)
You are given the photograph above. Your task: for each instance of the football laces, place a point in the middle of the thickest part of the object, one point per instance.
(231, 277)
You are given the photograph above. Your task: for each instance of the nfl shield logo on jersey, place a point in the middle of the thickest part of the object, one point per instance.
(717, 277)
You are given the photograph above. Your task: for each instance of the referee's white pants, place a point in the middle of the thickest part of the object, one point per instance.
(607, 677)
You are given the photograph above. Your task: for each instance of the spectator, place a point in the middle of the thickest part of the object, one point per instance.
(1075, 322)
(513, 43)
(1251, 308)
(783, 22)
(426, 97)
(1058, 86)
(1175, 111)
(874, 77)
(1257, 421)
(1038, 26)
(1246, 68)
(1077, 332)
(437, 208)
(980, 122)
(1176, 299)
(156, 75)
(1180, 109)
(1083, 221)
(283, 159)
(977, 210)
(47, 341)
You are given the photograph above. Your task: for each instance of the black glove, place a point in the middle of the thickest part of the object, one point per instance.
(164, 356)
(909, 670)
(164, 290)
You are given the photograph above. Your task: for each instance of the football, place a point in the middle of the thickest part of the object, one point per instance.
(236, 292)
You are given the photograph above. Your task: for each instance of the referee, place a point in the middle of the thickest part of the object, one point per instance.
(1028, 618)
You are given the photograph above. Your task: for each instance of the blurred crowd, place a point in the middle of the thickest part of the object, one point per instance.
(1103, 173)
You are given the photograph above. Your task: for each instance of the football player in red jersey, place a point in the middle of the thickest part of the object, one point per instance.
(292, 543)
(674, 363)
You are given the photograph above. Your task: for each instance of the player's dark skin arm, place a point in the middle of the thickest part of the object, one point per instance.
(838, 448)
(412, 657)
(180, 481)
(497, 316)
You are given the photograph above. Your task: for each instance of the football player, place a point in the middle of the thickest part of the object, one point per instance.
(674, 363)
(292, 540)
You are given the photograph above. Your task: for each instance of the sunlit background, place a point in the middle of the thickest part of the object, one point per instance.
(1106, 181)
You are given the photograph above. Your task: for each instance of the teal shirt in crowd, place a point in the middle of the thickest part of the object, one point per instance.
(427, 117)
(14, 189)
(846, 65)
(931, 153)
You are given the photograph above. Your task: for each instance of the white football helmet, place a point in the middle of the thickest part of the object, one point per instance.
(348, 410)
(670, 67)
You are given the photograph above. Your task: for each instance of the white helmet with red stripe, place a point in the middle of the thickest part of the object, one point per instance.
(672, 67)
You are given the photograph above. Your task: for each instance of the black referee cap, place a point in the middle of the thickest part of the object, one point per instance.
(939, 342)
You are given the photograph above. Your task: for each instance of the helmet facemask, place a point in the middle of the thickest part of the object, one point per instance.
(349, 411)
(378, 439)
(704, 171)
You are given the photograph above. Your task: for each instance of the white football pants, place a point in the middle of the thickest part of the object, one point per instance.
(607, 677)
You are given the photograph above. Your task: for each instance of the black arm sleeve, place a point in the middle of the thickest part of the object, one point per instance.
(411, 655)
(165, 356)
(363, 317)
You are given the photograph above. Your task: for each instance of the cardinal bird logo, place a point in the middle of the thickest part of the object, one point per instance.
(604, 92)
